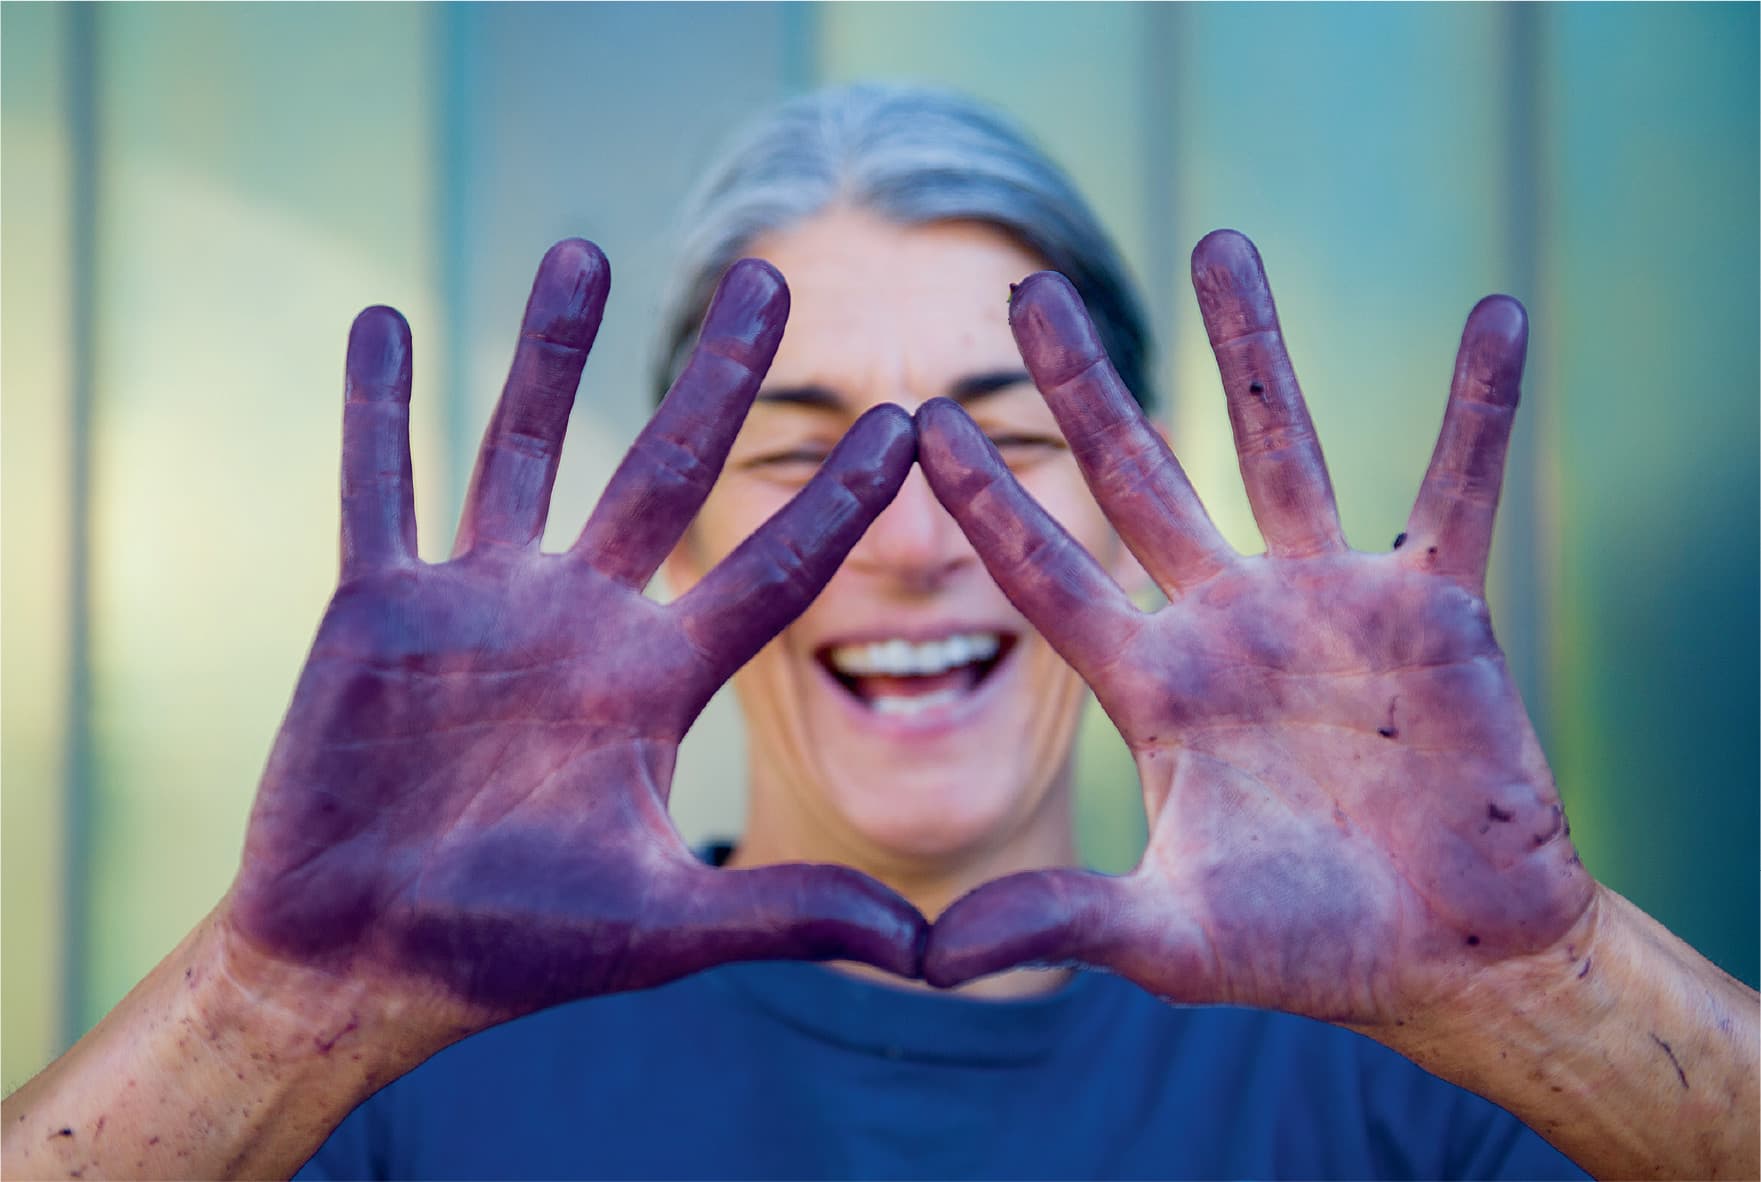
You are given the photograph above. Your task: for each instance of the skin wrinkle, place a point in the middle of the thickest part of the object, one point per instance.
(1368, 663)
(1315, 869)
(566, 726)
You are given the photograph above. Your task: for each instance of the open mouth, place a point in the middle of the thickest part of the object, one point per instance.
(906, 677)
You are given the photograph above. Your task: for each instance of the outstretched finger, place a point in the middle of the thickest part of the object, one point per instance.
(378, 497)
(674, 462)
(1045, 572)
(772, 576)
(1281, 463)
(785, 912)
(1127, 464)
(509, 494)
(1450, 530)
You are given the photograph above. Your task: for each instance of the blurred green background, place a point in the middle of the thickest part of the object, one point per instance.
(198, 198)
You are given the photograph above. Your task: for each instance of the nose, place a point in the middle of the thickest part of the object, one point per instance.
(914, 544)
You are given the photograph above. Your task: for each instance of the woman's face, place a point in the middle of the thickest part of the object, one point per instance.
(910, 717)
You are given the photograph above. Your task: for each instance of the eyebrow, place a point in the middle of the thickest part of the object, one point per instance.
(965, 390)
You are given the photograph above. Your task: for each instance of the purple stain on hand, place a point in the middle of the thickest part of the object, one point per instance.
(469, 788)
(1319, 731)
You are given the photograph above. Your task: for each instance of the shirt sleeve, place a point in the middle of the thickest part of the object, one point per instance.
(1423, 1126)
(354, 1152)
(1491, 1143)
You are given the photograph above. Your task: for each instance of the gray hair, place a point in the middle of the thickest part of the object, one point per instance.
(912, 154)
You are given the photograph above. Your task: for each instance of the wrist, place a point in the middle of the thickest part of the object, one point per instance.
(1620, 1044)
(219, 1062)
(348, 1024)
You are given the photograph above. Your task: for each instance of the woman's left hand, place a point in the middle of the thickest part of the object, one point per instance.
(1350, 814)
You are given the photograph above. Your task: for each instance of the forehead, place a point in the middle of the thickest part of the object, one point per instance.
(877, 304)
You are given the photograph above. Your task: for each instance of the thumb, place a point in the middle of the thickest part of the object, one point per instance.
(1068, 917)
(788, 912)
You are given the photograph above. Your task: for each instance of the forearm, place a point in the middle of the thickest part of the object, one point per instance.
(216, 1065)
(1624, 1047)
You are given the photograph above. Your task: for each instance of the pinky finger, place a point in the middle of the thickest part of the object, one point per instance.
(378, 497)
(1450, 530)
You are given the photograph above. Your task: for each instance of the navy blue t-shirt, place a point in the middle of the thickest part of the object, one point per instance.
(799, 1071)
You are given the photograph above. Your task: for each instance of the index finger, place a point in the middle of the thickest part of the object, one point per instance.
(772, 576)
(1046, 573)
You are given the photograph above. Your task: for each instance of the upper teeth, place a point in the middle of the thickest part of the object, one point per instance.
(902, 658)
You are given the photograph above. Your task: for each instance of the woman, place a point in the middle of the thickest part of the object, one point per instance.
(463, 818)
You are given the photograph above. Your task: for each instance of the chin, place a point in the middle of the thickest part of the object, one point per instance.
(932, 814)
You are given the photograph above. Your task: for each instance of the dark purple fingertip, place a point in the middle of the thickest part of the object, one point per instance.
(1494, 345)
(801, 911)
(957, 458)
(568, 294)
(864, 920)
(378, 366)
(1230, 282)
(881, 443)
(1035, 918)
(1503, 319)
(1052, 329)
(1228, 251)
(748, 312)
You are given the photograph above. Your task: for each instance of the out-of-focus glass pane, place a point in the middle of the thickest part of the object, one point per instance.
(266, 172)
(35, 426)
(1654, 293)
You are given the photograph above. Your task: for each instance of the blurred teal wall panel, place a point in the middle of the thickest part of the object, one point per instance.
(262, 172)
(592, 120)
(36, 547)
(1359, 146)
(1651, 196)
(1073, 73)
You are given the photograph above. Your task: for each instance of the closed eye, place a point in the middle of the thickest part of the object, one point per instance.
(1018, 444)
(813, 456)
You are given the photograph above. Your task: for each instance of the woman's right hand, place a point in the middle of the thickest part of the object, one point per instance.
(466, 805)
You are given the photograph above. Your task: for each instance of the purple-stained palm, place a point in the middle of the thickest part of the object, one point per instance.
(1349, 809)
(467, 799)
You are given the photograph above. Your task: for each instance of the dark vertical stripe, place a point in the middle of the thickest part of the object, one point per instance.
(1524, 598)
(452, 163)
(1162, 268)
(79, 762)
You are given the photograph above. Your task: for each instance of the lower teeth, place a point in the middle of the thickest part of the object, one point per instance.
(916, 704)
